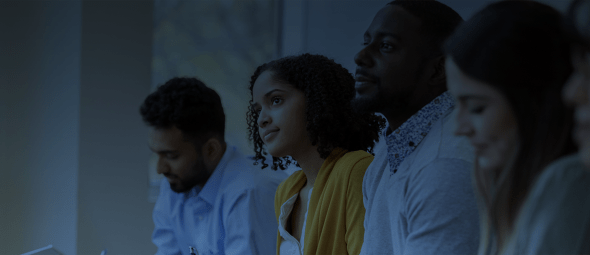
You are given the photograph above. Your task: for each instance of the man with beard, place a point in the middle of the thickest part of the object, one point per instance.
(213, 199)
(417, 191)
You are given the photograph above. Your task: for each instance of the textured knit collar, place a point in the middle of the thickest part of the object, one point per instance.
(404, 140)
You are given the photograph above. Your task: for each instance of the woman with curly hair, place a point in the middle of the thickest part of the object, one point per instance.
(300, 109)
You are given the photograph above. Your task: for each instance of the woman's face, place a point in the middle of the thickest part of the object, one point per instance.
(576, 93)
(281, 116)
(484, 116)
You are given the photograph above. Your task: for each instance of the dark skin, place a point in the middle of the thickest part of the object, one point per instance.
(394, 75)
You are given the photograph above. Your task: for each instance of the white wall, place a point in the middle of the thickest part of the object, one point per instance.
(40, 87)
(113, 209)
(73, 153)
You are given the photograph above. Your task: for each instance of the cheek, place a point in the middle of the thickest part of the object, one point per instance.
(293, 119)
(182, 168)
(497, 126)
(501, 134)
(574, 92)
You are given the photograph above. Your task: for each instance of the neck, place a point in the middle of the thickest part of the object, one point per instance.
(396, 117)
(310, 163)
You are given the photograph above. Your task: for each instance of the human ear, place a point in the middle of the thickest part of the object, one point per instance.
(438, 76)
(212, 151)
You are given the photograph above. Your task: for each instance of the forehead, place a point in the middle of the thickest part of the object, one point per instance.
(165, 138)
(266, 83)
(394, 19)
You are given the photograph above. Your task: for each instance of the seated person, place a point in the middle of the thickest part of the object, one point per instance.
(418, 193)
(212, 198)
(506, 67)
(301, 110)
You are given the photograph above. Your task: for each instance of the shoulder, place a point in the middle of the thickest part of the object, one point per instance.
(443, 175)
(561, 182)
(556, 212)
(355, 160)
(440, 143)
(445, 168)
(352, 164)
(562, 171)
(287, 187)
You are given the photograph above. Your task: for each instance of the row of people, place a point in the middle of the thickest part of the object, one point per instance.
(476, 152)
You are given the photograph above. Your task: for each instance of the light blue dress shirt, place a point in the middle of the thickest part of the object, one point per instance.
(232, 214)
(417, 192)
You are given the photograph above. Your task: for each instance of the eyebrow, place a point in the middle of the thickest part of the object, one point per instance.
(383, 34)
(464, 98)
(162, 151)
(268, 94)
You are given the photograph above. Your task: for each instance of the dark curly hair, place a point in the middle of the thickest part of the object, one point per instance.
(331, 120)
(187, 104)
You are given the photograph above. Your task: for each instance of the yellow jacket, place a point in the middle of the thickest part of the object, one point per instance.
(336, 212)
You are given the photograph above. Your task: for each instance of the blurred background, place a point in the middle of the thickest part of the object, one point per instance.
(74, 161)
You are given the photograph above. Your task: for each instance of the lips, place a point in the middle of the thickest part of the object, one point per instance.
(478, 147)
(364, 80)
(269, 132)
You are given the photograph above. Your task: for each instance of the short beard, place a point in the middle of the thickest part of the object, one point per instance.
(380, 102)
(202, 174)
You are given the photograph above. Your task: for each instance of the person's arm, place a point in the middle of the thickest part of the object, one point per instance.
(355, 209)
(250, 225)
(441, 211)
(163, 236)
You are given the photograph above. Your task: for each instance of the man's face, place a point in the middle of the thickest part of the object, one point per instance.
(388, 67)
(178, 159)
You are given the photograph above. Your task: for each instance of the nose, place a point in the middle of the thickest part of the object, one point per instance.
(263, 119)
(363, 57)
(162, 167)
(462, 125)
(575, 91)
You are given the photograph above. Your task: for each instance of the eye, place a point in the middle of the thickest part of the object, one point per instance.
(276, 100)
(386, 46)
(477, 110)
(172, 156)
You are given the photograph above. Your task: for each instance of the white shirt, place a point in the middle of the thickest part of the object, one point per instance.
(290, 245)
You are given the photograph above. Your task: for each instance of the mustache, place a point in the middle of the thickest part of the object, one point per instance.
(368, 75)
(173, 176)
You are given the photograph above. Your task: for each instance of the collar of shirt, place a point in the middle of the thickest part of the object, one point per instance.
(404, 140)
(211, 188)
